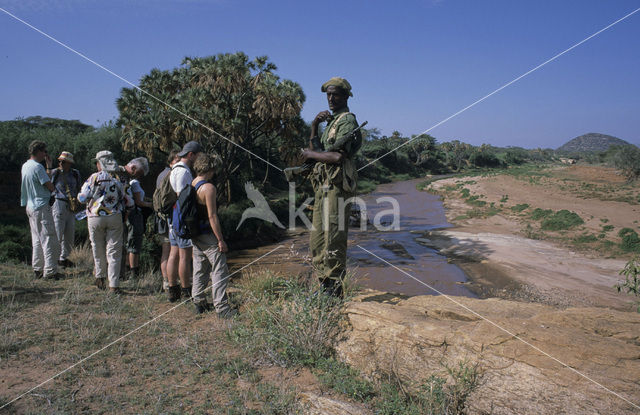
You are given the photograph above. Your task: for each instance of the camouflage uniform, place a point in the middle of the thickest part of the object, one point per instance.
(333, 185)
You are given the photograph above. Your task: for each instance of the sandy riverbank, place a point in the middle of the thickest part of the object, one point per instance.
(502, 261)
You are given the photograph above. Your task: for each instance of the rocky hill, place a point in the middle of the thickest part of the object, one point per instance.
(591, 142)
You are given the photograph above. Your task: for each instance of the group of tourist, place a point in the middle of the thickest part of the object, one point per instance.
(113, 201)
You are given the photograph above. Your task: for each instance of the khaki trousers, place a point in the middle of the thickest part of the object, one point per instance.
(65, 223)
(106, 235)
(44, 244)
(209, 264)
(328, 240)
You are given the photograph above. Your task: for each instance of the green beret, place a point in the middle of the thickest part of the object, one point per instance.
(339, 82)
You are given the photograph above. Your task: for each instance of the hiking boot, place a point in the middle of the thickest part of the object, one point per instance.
(186, 292)
(38, 274)
(173, 294)
(65, 263)
(134, 272)
(228, 313)
(115, 290)
(100, 283)
(54, 277)
(203, 307)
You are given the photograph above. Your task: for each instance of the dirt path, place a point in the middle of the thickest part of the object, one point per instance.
(554, 270)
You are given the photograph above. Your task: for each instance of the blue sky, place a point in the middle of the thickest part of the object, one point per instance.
(411, 63)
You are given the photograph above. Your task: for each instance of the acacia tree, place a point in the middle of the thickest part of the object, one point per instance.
(223, 102)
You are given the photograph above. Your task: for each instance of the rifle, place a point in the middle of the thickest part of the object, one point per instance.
(316, 145)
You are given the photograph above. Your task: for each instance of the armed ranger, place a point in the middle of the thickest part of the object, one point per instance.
(316, 145)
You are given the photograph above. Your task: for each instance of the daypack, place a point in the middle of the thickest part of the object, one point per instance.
(107, 191)
(184, 218)
(164, 197)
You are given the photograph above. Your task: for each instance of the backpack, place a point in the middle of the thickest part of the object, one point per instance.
(164, 197)
(107, 191)
(184, 217)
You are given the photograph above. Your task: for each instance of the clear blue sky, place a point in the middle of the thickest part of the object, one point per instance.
(411, 63)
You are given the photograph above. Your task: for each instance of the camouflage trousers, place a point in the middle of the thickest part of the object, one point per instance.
(328, 242)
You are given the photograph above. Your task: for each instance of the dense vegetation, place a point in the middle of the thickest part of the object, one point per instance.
(241, 102)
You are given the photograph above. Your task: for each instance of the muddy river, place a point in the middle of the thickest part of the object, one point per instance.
(419, 212)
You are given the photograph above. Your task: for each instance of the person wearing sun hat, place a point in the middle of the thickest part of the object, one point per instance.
(66, 181)
(334, 182)
(106, 198)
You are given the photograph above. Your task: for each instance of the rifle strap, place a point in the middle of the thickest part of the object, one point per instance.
(334, 126)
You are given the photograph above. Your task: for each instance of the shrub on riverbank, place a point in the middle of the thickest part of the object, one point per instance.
(561, 220)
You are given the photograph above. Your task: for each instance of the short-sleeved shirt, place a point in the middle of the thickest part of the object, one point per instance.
(33, 193)
(104, 194)
(343, 174)
(343, 122)
(135, 187)
(72, 178)
(180, 177)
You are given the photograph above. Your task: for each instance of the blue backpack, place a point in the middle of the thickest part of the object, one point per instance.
(184, 217)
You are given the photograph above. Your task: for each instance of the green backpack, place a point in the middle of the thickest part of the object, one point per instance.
(164, 197)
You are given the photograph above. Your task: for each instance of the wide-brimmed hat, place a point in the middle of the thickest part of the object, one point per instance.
(190, 147)
(66, 156)
(107, 161)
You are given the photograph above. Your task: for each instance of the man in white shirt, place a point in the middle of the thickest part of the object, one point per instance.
(35, 194)
(181, 249)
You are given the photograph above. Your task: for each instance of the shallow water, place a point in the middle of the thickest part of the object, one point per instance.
(419, 212)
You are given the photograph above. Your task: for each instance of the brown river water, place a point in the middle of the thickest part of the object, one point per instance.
(419, 212)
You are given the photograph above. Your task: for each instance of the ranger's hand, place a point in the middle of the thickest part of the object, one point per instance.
(321, 117)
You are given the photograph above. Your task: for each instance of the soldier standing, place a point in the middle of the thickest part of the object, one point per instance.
(334, 182)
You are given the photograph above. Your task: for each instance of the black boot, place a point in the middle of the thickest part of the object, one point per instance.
(173, 293)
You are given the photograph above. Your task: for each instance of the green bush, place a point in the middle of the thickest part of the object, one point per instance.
(520, 207)
(630, 240)
(344, 379)
(16, 243)
(561, 220)
(538, 213)
(14, 252)
(288, 322)
(586, 238)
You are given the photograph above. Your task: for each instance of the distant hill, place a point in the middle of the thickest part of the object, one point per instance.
(591, 142)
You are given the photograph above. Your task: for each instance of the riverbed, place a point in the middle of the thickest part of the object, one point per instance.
(419, 212)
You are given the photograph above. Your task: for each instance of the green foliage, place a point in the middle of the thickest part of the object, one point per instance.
(630, 240)
(585, 238)
(538, 213)
(344, 379)
(82, 140)
(561, 220)
(627, 159)
(631, 283)
(16, 243)
(607, 228)
(230, 96)
(437, 395)
(504, 198)
(289, 323)
(520, 207)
